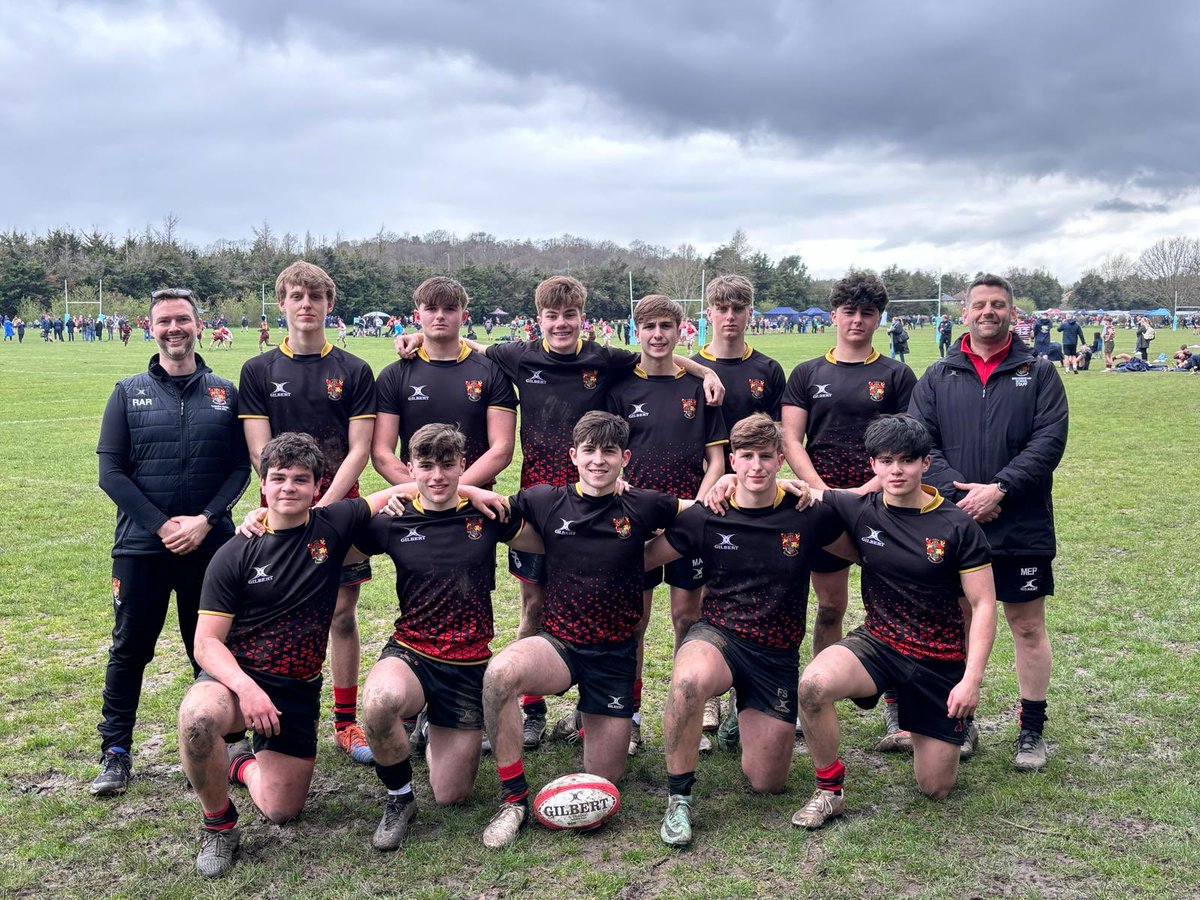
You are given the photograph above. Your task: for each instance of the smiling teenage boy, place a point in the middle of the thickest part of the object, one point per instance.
(676, 446)
(919, 554)
(307, 385)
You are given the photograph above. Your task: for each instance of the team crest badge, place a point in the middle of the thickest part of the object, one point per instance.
(689, 409)
(875, 390)
(624, 529)
(935, 549)
(318, 551)
(757, 386)
(790, 542)
(333, 388)
(116, 590)
(474, 527)
(217, 395)
(474, 390)
(591, 378)
(1022, 370)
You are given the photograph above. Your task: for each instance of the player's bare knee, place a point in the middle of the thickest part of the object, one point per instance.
(282, 812)
(197, 732)
(685, 690)
(1029, 631)
(938, 788)
(764, 782)
(830, 614)
(812, 694)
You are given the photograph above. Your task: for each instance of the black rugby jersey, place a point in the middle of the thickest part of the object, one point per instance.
(556, 390)
(458, 392)
(753, 383)
(757, 562)
(595, 557)
(841, 399)
(669, 429)
(280, 589)
(912, 560)
(315, 393)
(445, 565)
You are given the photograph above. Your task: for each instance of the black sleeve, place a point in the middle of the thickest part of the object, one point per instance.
(222, 589)
(507, 530)
(973, 549)
(238, 461)
(363, 400)
(794, 392)
(846, 506)
(776, 384)
(502, 394)
(905, 382)
(507, 356)
(664, 509)
(1033, 466)
(387, 389)
(253, 400)
(827, 525)
(115, 451)
(531, 503)
(715, 431)
(346, 517)
(923, 407)
(621, 362)
(686, 533)
(372, 537)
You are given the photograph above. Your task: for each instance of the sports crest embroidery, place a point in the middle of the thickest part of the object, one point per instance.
(757, 386)
(333, 388)
(217, 395)
(689, 408)
(875, 390)
(474, 390)
(474, 527)
(591, 378)
(624, 529)
(790, 542)
(935, 549)
(1022, 370)
(318, 550)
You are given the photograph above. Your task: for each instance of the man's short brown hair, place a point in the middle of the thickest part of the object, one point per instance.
(440, 291)
(987, 279)
(560, 292)
(305, 274)
(444, 444)
(729, 290)
(600, 429)
(756, 432)
(657, 306)
(292, 448)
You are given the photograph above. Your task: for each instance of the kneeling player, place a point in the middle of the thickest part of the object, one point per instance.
(445, 557)
(919, 554)
(594, 544)
(265, 612)
(757, 558)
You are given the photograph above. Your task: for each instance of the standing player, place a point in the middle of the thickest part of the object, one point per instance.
(265, 613)
(307, 385)
(447, 382)
(919, 555)
(753, 381)
(560, 377)
(998, 416)
(676, 447)
(173, 459)
(756, 560)
(264, 334)
(594, 551)
(827, 405)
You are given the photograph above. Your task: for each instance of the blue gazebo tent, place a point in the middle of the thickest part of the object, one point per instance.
(783, 312)
(818, 313)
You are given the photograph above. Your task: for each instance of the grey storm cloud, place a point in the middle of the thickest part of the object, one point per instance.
(1093, 90)
(1119, 205)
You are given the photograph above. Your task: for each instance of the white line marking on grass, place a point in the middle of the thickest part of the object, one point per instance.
(49, 421)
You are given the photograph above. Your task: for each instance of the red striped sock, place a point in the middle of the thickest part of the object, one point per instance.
(345, 706)
(830, 778)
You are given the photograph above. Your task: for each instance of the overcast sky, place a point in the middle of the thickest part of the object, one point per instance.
(962, 136)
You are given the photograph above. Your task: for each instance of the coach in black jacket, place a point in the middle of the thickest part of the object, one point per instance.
(173, 458)
(998, 416)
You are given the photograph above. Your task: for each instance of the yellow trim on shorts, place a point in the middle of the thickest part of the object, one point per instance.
(363, 416)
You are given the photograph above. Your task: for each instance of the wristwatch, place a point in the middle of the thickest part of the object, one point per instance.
(211, 517)
(1002, 484)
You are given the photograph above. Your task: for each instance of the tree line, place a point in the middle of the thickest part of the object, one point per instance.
(39, 271)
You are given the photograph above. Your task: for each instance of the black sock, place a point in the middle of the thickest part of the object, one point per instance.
(234, 736)
(681, 784)
(395, 776)
(536, 708)
(889, 696)
(223, 820)
(1033, 715)
(237, 768)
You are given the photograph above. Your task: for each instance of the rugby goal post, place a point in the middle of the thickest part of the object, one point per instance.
(68, 302)
(693, 308)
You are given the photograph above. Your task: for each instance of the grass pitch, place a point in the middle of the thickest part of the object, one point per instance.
(1114, 814)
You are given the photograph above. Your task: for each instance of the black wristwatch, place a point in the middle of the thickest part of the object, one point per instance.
(211, 517)
(1002, 484)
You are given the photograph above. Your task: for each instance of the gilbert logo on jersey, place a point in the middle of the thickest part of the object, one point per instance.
(624, 529)
(757, 386)
(333, 388)
(591, 378)
(790, 542)
(474, 527)
(875, 390)
(319, 551)
(474, 390)
(689, 409)
(935, 549)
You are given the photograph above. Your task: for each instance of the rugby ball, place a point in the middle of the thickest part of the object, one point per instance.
(577, 802)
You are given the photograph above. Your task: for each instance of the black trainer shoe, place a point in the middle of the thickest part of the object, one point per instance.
(116, 769)
(397, 815)
(1031, 751)
(533, 729)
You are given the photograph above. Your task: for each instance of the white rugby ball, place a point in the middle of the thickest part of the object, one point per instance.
(580, 801)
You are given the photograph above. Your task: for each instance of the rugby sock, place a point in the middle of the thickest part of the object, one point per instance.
(397, 778)
(533, 705)
(513, 788)
(889, 697)
(237, 768)
(223, 820)
(345, 706)
(1033, 715)
(681, 784)
(234, 736)
(830, 778)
